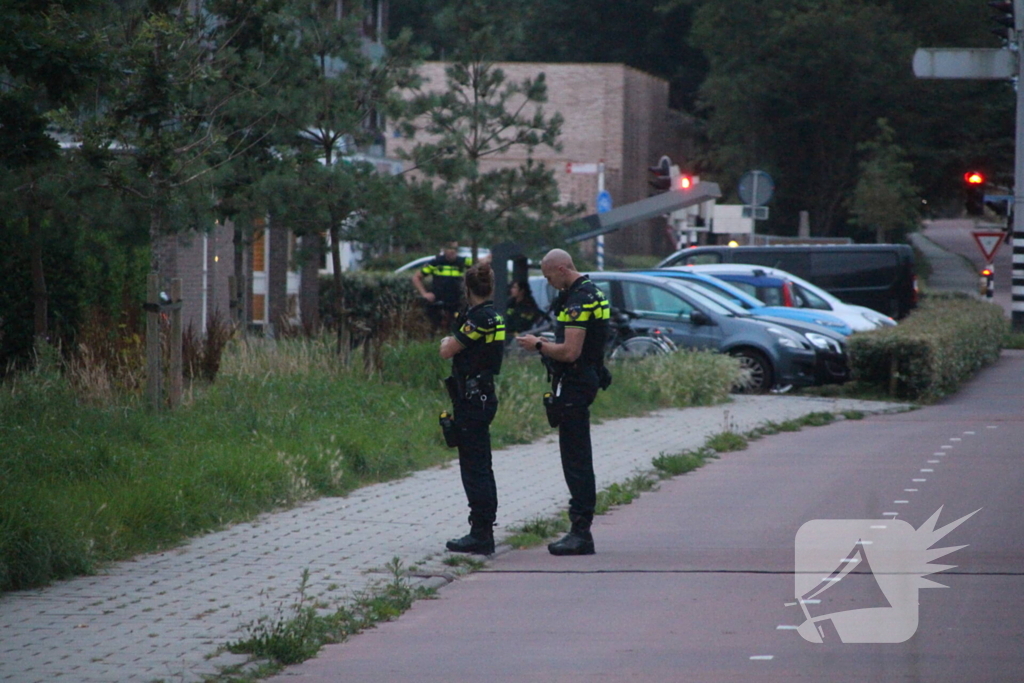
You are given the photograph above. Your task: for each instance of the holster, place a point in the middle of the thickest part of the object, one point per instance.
(451, 434)
(553, 407)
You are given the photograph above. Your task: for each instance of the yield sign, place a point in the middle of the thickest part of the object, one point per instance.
(988, 242)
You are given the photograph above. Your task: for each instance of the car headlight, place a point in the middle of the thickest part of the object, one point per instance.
(785, 339)
(880, 320)
(829, 323)
(824, 343)
(818, 340)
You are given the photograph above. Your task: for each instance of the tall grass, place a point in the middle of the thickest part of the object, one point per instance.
(83, 482)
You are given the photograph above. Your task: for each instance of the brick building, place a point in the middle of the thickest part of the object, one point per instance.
(613, 113)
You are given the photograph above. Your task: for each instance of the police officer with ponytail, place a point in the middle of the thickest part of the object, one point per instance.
(476, 349)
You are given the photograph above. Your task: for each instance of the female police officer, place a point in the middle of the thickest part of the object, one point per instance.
(476, 349)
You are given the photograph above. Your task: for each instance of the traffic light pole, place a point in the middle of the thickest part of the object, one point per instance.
(993, 64)
(1017, 281)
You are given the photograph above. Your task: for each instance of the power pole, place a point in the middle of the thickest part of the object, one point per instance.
(994, 64)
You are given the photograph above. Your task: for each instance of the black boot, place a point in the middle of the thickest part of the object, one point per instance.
(474, 542)
(576, 542)
(479, 540)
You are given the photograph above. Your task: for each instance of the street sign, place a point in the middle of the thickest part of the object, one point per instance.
(988, 242)
(604, 202)
(576, 167)
(756, 188)
(972, 62)
(758, 213)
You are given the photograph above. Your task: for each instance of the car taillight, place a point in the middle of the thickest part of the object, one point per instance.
(787, 294)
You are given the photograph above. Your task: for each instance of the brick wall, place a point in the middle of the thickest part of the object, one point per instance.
(612, 113)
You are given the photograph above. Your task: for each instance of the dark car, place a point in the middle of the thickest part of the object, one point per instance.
(832, 365)
(774, 355)
(879, 276)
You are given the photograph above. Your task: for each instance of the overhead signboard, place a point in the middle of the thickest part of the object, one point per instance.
(972, 63)
(988, 242)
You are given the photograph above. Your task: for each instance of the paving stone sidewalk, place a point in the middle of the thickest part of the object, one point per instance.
(163, 617)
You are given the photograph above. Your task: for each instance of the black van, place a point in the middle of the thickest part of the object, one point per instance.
(879, 276)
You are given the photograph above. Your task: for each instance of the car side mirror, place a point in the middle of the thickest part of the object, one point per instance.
(699, 317)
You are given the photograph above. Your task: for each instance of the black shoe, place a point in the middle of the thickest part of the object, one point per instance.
(573, 543)
(472, 544)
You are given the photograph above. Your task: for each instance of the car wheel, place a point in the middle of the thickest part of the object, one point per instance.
(758, 375)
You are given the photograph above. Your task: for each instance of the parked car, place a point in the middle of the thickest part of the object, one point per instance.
(773, 355)
(832, 364)
(749, 299)
(803, 294)
(878, 276)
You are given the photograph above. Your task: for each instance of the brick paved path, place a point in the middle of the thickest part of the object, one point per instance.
(161, 616)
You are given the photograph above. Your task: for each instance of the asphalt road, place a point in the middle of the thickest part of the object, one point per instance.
(697, 581)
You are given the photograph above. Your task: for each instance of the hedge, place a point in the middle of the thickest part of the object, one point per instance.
(372, 299)
(943, 343)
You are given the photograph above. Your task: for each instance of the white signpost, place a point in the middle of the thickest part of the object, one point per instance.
(603, 201)
(987, 64)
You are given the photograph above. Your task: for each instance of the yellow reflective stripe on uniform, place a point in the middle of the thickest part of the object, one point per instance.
(474, 334)
(497, 334)
(446, 271)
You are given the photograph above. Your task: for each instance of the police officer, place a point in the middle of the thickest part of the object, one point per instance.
(476, 349)
(576, 363)
(446, 271)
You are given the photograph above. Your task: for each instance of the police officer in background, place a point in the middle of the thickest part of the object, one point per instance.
(476, 349)
(446, 272)
(576, 364)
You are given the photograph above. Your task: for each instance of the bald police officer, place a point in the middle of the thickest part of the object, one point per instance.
(576, 363)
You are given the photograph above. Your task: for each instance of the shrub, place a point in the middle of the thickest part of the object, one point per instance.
(943, 343)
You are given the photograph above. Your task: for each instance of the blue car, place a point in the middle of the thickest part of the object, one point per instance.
(755, 305)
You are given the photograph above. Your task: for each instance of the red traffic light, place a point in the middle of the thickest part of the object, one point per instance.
(974, 178)
(685, 182)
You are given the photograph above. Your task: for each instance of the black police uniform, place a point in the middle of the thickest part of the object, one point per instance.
(447, 284)
(575, 386)
(522, 315)
(482, 332)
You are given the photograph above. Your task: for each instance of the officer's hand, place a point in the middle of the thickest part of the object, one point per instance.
(527, 342)
(429, 296)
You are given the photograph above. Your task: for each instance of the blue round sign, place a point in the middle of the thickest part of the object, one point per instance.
(604, 202)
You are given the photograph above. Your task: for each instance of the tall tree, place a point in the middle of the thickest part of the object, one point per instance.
(480, 113)
(884, 200)
(163, 129)
(47, 59)
(333, 108)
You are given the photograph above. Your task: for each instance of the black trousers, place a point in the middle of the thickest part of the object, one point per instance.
(473, 422)
(578, 391)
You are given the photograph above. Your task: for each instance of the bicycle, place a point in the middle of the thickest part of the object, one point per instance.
(626, 342)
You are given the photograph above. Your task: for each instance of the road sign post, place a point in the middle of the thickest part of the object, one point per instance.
(977, 63)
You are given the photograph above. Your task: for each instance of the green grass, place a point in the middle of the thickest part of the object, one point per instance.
(1013, 340)
(297, 631)
(82, 483)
